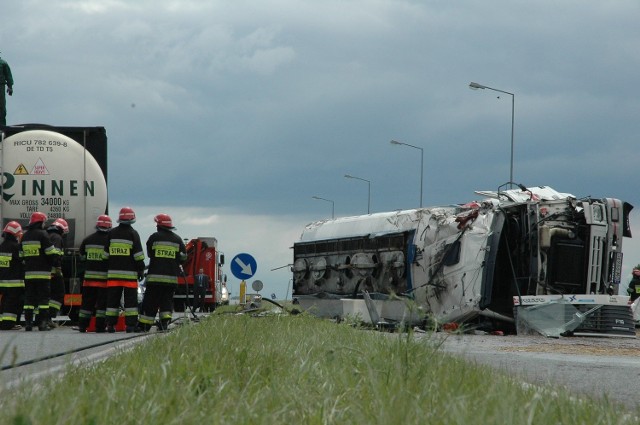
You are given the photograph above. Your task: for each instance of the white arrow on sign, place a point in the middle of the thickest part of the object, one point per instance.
(246, 268)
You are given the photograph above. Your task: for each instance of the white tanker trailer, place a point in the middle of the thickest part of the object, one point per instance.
(60, 171)
(526, 258)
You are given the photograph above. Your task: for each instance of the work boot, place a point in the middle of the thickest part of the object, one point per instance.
(111, 329)
(163, 325)
(28, 320)
(82, 329)
(51, 324)
(43, 326)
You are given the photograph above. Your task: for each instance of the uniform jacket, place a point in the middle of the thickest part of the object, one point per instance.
(38, 254)
(11, 270)
(166, 253)
(91, 252)
(57, 240)
(125, 256)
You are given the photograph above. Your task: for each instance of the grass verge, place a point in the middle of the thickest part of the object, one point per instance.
(293, 369)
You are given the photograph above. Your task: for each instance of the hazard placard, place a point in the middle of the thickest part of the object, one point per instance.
(21, 170)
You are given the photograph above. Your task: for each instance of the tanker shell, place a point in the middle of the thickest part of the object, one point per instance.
(49, 172)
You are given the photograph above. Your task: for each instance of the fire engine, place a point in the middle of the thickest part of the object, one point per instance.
(203, 254)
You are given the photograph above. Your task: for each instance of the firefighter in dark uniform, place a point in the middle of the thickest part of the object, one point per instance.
(634, 285)
(125, 256)
(57, 231)
(39, 255)
(166, 253)
(11, 276)
(94, 285)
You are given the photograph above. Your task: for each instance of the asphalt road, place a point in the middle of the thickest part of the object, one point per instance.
(34, 355)
(593, 366)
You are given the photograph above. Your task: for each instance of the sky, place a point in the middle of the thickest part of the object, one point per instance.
(231, 116)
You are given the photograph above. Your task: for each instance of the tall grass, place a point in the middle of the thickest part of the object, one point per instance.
(292, 370)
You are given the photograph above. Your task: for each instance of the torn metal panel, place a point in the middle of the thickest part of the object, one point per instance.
(462, 262)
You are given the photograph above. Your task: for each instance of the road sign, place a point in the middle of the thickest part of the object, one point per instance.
(257, 285)
(243, 266)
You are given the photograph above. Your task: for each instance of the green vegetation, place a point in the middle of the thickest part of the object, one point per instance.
(237, 369)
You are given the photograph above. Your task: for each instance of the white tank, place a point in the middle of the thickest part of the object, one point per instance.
(49, 172)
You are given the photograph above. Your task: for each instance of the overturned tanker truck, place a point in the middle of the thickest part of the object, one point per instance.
(518, 260)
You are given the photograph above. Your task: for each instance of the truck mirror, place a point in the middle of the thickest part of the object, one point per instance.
(222, 259)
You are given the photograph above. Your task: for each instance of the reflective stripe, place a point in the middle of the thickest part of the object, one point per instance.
(147, 320)
(122, 283)
(9, 317)
(131, 311)
(88, 275)
(112, 312)
(12, 283)
(43, 275)
(122, 274)
(94, 283)
(162, 278)
(52, 250)
(55, 304)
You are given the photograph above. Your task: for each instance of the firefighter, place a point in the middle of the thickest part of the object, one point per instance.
(124, 253)
(634, 285)
(39, 255)
(166, 253)
(57, 232)
(94, 285)
(11, 276)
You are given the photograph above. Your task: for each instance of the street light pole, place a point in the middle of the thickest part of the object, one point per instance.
(332, 205)
(395, 142)
(369, 183)
(476, 86)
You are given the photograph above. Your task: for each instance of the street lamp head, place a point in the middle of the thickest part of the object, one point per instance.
(349, 176)
(476, 86)
(395, 142)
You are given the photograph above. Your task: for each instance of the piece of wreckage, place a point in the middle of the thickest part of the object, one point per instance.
(521, 260)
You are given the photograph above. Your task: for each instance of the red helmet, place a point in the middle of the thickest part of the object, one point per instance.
(104, 222)
(37, 217)
(127, 215)
(164, 220)
(61, 224)
(13, 228)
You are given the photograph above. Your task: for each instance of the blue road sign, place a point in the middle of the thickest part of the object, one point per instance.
(243, 266)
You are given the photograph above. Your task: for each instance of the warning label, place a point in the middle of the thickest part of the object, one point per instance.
(21, 170)
(39, 169)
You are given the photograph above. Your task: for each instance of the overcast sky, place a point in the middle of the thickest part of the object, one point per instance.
(231, 115)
